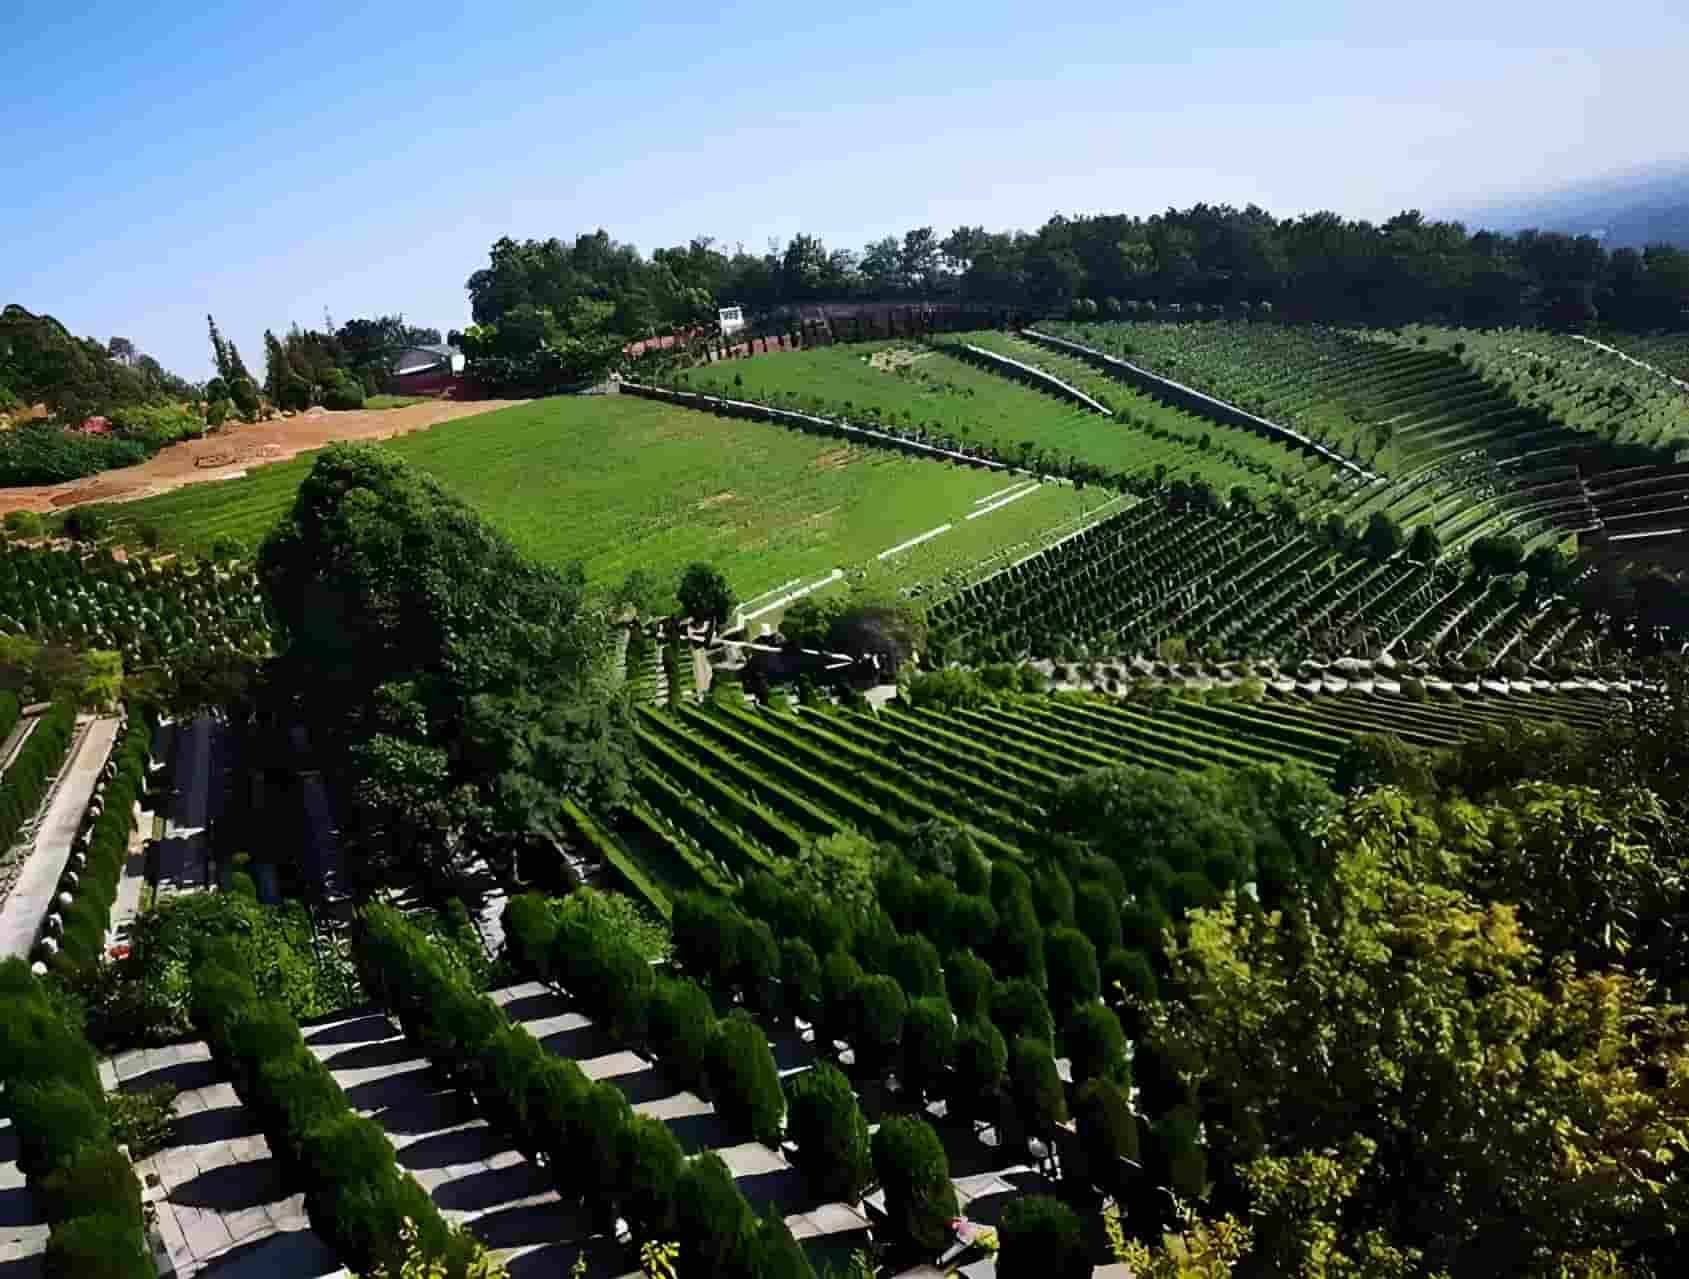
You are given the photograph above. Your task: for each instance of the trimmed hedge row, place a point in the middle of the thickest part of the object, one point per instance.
(32, 772)
(50, 1088)
(598, 1152)
(10, 711)
(357, 1196)
(83, 940)
(729, 1058)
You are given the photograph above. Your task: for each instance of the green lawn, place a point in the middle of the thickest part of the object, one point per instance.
(394, 401)
(948, 396)
(621, 483)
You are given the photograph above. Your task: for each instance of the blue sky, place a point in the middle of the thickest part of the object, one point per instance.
(265, 162)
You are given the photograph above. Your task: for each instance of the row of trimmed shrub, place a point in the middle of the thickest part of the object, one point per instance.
(83, 939)
(728, 1058)
(357, 1196)
(598, 1152)
(83, 1183)
(947, 1027)
(10, 711)
(32, 772)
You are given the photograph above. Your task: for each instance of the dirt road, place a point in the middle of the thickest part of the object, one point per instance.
(240, 447)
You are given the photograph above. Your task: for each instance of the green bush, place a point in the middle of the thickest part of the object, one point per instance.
(910, 1163)
(1052, 895)
(1071, 963)
(530, 927)
(1108, 1135)
(1035, 1085)
(982, 1057)
(1019, 1009)
(25, 782)
(773, 1253)
(831, 1134)
(652, 1162)
(840, 975)
(915, 966)
(929, 1045)
(800, 979)
(682, 1027)
(55, 1122)
(343, 393)
(142, 1120)
(97, 1246)
(1018, 948)
(744, 1080)
(877, 1024)
(713, 1223)
(967, 922)
(1178, 1159)
(99, 1179)
(968, 979)
(1096, 1044)
(1041, 1238)
(1096, 913)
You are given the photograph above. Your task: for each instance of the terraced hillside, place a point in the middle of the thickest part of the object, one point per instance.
(723, 791)
(1239, 583)
(1542, 435)
(932, 394)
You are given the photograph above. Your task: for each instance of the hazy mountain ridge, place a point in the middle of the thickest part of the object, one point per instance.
(1624, 212)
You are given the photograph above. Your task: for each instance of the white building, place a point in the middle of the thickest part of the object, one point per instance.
(732, 320)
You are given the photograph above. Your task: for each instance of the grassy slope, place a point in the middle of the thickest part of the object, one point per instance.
(620, 483)
(949, 396)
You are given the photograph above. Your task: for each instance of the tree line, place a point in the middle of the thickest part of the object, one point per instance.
(1319, 265)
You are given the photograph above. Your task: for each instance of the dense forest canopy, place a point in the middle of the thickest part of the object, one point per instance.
(41, 362)
(1319, 265)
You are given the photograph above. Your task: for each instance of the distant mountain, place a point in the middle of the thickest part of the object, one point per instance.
(1623, 212)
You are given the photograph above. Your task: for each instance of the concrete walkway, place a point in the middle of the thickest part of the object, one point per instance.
(219, 1200)
(31, 897)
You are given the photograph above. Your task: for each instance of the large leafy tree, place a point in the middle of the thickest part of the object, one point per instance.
(436, 656)
(1492, 1103)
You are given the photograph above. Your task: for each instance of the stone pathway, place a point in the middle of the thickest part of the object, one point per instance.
(37, 879)
(220, 1204)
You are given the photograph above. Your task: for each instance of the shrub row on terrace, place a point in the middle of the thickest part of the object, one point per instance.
(598, 1151)
(83, 1184)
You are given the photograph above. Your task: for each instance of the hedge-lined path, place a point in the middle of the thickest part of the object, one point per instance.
(221, 1206)
(30, 895)
(15, 740)
(23, 1233)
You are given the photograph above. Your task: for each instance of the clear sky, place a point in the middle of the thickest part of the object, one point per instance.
(269, 161)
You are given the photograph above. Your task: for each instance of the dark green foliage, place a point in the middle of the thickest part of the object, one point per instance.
(1052, 894)
(1071, 962)
(971, 985)
(530, 927)
(1096, 913)
(705, 595)
(1041, 1238)
(38, 453)
(651, 1163)
(840, 974)
(1129, 975)
(1143, 926)
(915, 965)
(605, 972)
(55, 1121)
(929, 1045)
(414, 627)
(27, 777)
(1018, 948)
(1096, 1044)
(1019, 1010)
(969, 922)
(1108, 1134)
(774, 1254)
(1035, 1085)
(744, 1080)
(142, 1120)
(97, 1246)
(982, 1058)
(682, 1027)
(713, 1223)
(1179, 1160)
(877, 1025)
(98, 1179)
(910, 1163)
(831, 1134)
(800, 978)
